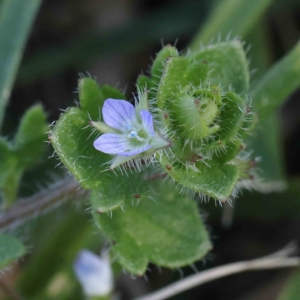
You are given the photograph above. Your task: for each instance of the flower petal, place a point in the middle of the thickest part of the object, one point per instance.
(118, 113)
(147, 121)
(94, 273)
(112, 143)
(135, 150)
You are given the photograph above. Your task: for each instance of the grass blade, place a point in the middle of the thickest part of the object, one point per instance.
(278, 83)
(16, 18)
(234, 17)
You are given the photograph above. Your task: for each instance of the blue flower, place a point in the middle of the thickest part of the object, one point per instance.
(134, 134)
(94, 273)
(128, 131)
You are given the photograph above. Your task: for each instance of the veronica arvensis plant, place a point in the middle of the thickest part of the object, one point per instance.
(192, 132)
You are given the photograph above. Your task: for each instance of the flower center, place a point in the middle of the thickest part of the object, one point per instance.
(138, 137)
(133, 134)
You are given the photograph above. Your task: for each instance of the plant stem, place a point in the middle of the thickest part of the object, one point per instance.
(9, 291)
(26, 209)
(265, 263)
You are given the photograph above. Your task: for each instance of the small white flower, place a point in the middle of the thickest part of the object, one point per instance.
(94, 273)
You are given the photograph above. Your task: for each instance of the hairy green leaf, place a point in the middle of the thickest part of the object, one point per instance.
(168, 232)
(143, 83)
(23, 152)
(120, 188)
(227, 65)
(111, 92)
(31, 136)
(91, 98)
(72, 138)
(232, 116)
(160, 61)
(210, 178)
(11, 172)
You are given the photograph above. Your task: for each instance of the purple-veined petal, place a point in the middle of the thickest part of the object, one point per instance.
(112, 143)
(147, 121)
(118, 113)
(135, 150)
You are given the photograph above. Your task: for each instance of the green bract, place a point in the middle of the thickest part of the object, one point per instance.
(199, 104)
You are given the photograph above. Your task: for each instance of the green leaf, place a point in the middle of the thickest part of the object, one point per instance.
(232, 116)
(267, 144)
(234, 17)
(12, 181)
(143, 83)
(173, 74)
(5, 158)
(233, 147)
(292, 289)
(277, 84)
(160, 61)
(24, 152)
(211, 178)
(10, 249)
(186, 113)
(197, 71)
(268, 94)
(11, 172)
(119, 188)
(111, 92)
(227, 65)
(91, 98)
(16, 20)
(31, 136)
(72, 139)
(167, 232)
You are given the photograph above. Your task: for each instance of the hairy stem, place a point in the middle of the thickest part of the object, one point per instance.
(26, 209)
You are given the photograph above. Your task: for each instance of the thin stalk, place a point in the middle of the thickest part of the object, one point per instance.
(26, 209)
(266, 263)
